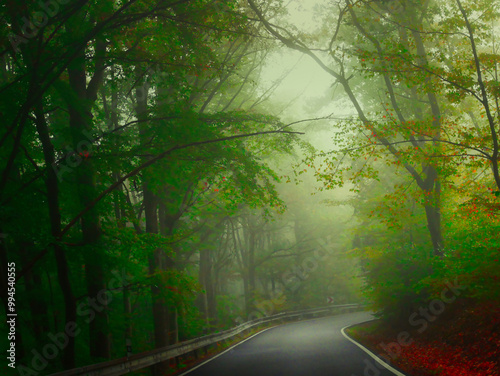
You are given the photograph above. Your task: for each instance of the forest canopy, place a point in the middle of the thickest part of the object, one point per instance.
(154, 189)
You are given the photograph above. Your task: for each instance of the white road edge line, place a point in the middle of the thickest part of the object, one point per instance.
(225, 351)
(375, 357)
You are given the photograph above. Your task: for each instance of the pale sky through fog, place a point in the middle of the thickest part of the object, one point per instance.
(307, 77)
(307, 82)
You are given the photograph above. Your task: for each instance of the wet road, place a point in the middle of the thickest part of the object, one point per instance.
(314, 347)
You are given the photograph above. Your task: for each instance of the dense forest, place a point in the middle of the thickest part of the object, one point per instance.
(154, 189)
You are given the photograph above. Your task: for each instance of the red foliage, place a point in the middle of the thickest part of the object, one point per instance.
(444, 360)
(467, 343)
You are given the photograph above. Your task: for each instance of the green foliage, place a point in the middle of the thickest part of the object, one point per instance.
(393, 276)
(473, 246)
(228, 311)
(72, 102)
(422, 83)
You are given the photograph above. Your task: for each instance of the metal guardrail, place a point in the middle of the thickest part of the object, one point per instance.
(139, 361)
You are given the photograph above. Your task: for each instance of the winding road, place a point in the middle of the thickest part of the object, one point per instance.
(307, 348)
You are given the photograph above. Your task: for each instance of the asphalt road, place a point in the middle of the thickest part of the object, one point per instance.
(314, 347)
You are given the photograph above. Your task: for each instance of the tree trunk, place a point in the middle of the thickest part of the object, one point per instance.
(156, 260)
(431, 186)
(433, 215)
(206, 280)
(63, 274)
(80, 124)
(167, 224)
(251, 262)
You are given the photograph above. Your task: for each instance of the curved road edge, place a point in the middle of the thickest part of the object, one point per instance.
(225, 351)
(372, 355)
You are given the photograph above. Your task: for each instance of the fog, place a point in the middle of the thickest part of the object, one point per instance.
(171, 170)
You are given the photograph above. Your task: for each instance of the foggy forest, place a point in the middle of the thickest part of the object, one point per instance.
(177, 176)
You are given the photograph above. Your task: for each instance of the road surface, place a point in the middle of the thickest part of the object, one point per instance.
(308, 348)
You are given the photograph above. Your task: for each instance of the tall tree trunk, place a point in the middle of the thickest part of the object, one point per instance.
(432, 206)
(251, 261)
(63, 274)
(111, 113)
(432, 185)
(156, 261)
(241, 251)
(428, 179)
(167, 224)
(205, 277)
(160, 314)
(80, 124)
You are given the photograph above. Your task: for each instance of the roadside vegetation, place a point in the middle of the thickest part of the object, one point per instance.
(153, 189)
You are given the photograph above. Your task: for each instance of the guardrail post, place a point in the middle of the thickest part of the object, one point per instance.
(128, 347)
